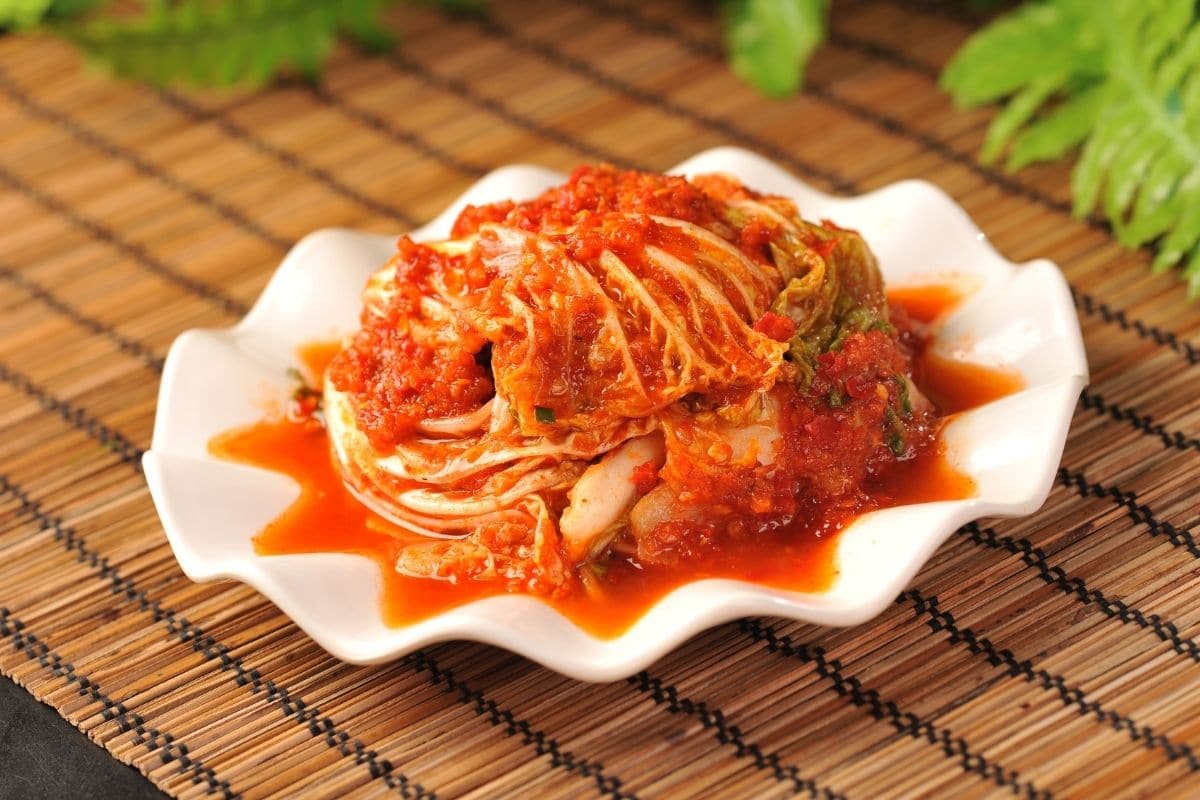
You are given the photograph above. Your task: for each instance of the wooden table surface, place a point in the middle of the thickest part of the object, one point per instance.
(1054, 655)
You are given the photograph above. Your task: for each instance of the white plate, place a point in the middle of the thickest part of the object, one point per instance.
(218, 379)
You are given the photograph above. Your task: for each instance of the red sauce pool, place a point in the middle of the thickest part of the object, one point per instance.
(326, 517)
(925, 303)
(952, 385)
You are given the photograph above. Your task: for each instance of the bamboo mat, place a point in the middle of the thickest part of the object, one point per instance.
(1051, 656)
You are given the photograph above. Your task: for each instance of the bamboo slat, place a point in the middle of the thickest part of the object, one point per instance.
(1055, 655)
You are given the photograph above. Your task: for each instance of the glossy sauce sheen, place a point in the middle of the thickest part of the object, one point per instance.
(327, 518)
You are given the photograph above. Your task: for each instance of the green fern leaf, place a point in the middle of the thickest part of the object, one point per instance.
(1018, 113)
(1036, 40)
(361, 24)
(23, 13)
(770, 41)
(1057, 131)
(1121, 82)
(206, 42)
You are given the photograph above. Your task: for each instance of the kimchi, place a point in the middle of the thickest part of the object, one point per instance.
(630, 367)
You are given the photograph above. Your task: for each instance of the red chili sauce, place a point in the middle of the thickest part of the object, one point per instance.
(327, 518)
(397, 381)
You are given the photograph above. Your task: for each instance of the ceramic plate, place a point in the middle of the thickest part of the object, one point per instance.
(1017, 315)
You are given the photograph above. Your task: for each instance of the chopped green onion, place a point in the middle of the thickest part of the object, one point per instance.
(896, 440)
(905, 400)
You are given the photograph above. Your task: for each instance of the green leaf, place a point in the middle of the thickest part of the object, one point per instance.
(544, 415)
(1017, 113)
(361, 23)
(1038, 39)
(23, 13)
(1175, 66)
(1119, 80)
(222, 42)
(1153, 213)
(1059, 130)
(1126, 172)
(62, 9)
(1184, 234)
(1191, 274)
(1116, 128)
(771, 41)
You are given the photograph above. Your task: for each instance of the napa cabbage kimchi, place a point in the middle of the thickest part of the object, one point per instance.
(631, 366)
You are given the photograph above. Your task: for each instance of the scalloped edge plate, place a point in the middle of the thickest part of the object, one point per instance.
(1018, 315)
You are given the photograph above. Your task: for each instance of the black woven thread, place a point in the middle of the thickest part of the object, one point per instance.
(1071, 696)
(1144, 423)
(93, 427)
(1082, 300)
(547, 52)
(295, 707)
(881, 52)
(934, 145)
(212, 649)
(228, 212)
(179, 627)
(137, 251)
(543, 744)
(954, 747)
(168, 748)
(653, 98)
(713, 719)
(77, 417)
(131, 454)
(1089, 399)
(286, 157)
(1139, 512)
(409, 139)
(1054, 575)
(463, 91)
(1151, 332)
(94, 139)
(952, 10)
(631, 13)
(139, 350)
(635, 18)
(133, 250)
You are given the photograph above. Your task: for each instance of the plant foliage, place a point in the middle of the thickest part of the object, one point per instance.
(224, 43)
(1118, 80)
(771, 41)
(205, 42)
(23, 13)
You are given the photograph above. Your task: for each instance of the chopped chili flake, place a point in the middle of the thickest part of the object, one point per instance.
(775, 326)
(645, 476)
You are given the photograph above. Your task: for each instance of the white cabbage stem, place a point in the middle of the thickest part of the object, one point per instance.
(604, 493)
